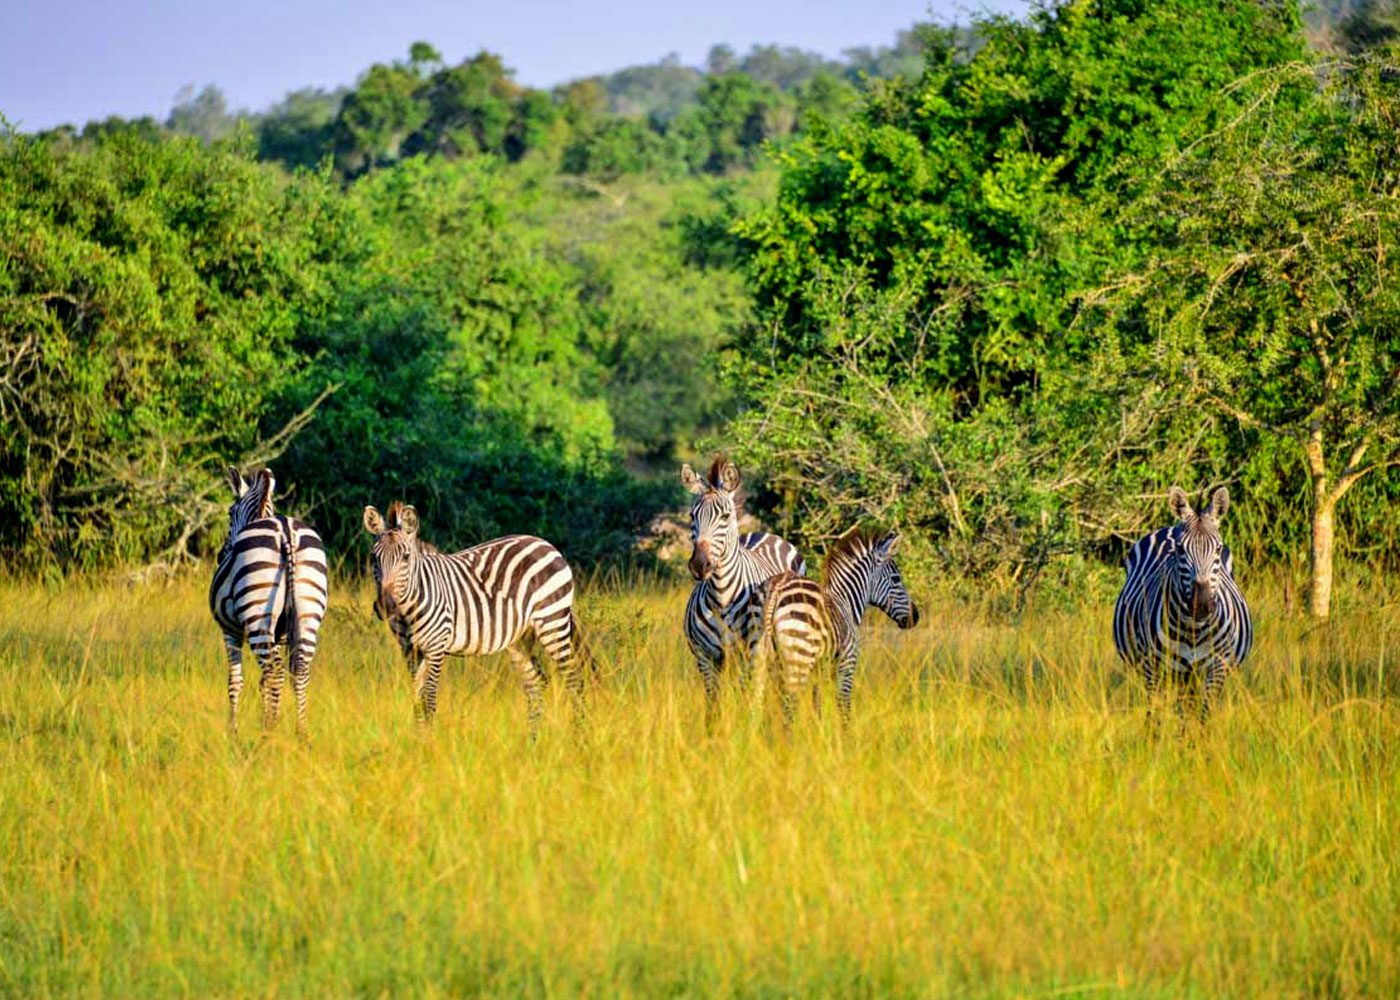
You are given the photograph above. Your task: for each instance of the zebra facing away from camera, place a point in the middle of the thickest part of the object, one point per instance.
(1180, 615)
(724, 616)
(805, 622)
(270, 587)
(481, 600)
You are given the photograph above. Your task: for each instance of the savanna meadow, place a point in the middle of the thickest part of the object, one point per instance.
(917, 523)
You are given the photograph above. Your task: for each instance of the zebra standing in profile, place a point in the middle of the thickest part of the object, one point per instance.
(725, 612)
(478, 601)
(270, 587)
(1180, 614)
(805, 621)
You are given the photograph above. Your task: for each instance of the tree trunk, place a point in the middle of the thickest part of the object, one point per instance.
(1320, 592)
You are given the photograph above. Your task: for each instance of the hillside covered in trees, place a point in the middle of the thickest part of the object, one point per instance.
(1000, 285)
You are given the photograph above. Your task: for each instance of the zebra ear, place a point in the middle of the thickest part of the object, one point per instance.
(1181, 507)
(1219, 503)
(690, 480)
(236, 481)
(408, 521)
(267, 484)
(884, 548)
(374, 523)
(729, 477)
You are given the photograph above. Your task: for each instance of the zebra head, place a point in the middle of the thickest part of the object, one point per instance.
(887, 590)
(861, 572)
(1197, 562)
(714, 516)
(251, 501)
(394, 555)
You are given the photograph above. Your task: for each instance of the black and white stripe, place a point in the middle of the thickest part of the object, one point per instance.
(270, 588)
(724, 615)
(805, 622)
(1180, 614)
(474, 602)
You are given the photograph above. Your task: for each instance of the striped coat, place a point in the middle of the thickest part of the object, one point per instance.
(482, 600)
(724, 616)
(1180, 614)
(270, 588)
(805, 622)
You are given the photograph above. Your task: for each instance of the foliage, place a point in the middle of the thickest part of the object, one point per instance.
(919, 354)
(170, 307)
(1269, 293)
(149, 295)
(462, 354)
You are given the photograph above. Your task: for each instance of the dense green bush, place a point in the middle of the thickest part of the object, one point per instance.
(930, 283)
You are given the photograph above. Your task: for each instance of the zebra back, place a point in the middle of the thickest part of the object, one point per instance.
(476, 601)
(271, 580)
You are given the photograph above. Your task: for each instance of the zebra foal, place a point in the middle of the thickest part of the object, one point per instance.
(724, 615)
(478, 601)
(270, 587)
(805, 621)
(1180, 614)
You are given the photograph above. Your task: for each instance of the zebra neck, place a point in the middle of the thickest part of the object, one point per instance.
(847, 591)
(730, 576)
(416, 585)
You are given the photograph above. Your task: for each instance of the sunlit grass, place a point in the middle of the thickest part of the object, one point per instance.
(993, 824)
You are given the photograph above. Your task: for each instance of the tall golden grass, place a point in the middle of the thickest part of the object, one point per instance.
(994, 822)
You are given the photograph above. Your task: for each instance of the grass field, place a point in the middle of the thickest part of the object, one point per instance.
(993, 824)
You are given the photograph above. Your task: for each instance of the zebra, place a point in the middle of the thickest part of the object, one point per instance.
(1180, 613)
(724, 614)
(270, 587)
(805, 621)
(478, 601)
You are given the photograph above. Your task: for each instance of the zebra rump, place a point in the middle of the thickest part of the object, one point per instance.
(270, 588)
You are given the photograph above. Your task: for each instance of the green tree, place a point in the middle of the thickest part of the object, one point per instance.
(298, 131)
(149, 294)
(383, 110)
(203, 115)
(918, 351)
(1271, 292)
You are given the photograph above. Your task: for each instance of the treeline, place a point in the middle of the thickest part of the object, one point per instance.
(666, 119)
(1003, 301)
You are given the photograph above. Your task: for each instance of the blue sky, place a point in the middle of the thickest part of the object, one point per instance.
(75, 60)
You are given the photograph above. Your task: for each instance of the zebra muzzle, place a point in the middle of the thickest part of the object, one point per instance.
(701, 565)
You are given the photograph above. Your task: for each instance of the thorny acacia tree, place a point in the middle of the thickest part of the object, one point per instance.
(1272, 293)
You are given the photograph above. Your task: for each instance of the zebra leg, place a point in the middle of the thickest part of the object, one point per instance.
(301, 677)
(530, 679)
(270, 683)
(1210, 688)
(559, 638)
(787, 686)
(709, 675)
(767, 664)
(413, 660)
(233, 644)
(425, 685)
(845, 680)
(1154, 674)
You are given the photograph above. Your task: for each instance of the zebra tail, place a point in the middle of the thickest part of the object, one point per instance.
(289, 602)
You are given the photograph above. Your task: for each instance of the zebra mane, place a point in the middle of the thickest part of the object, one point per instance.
(712, 479)
(391, 522)
(855, 543)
